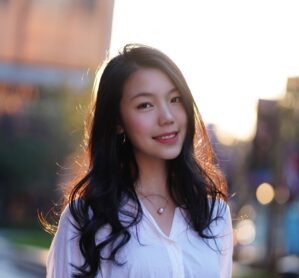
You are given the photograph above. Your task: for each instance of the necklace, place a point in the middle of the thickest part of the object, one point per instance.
(161, 209)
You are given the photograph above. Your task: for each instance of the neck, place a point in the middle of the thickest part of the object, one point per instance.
(152, 177)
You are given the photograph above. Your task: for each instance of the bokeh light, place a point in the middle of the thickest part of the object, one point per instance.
(247, 212)
(245, 232)
(265, 193)
(248, 254)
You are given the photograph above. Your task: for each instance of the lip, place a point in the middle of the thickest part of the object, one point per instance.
(167, 138)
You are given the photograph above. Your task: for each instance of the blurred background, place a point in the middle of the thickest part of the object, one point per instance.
(241, 60)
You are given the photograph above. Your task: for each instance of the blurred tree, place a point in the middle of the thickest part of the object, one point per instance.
(34, 144)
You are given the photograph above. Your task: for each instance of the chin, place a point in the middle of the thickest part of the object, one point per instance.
(170, 156)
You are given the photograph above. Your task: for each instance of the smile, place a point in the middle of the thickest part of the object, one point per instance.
(167, 137)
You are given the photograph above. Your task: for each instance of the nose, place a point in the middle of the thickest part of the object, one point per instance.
(166, 116)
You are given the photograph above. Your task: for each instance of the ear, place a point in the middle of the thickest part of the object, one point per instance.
(119, 129)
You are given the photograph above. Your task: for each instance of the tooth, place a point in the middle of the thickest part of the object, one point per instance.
(168, 136)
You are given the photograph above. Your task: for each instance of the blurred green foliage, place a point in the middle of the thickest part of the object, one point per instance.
(34, 146)
(27, 237)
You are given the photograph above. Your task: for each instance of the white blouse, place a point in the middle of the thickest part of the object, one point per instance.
(150, 253)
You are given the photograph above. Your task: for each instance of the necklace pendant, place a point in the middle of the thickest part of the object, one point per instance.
(160, 210)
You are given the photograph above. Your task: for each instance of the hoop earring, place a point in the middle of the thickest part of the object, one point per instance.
(124, 139)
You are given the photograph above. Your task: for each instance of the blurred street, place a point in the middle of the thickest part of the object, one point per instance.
(25, 262)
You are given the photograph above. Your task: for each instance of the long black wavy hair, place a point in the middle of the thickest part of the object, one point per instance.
(194, 179)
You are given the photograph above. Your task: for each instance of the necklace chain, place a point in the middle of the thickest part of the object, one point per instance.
(161, 209)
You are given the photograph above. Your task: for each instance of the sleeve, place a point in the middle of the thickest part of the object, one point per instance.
(226, 258)
(64, 251)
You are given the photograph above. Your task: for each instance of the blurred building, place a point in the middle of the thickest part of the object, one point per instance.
(262, 157)
(290, 165)
(271, 209)
(290, 136)
(49, 50)
(47, 42)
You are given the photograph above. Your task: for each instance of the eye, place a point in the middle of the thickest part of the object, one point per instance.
(144, 105)
(176, 99)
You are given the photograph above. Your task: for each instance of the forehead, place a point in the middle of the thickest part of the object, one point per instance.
(147, 80)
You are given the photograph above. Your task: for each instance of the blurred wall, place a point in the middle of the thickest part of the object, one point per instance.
(72, 33)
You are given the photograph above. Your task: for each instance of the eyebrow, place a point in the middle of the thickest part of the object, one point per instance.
(147, 94)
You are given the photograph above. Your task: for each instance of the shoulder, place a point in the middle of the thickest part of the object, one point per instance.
(71, 217)
(67, 225)
(220, 208)
(64, 251)
(221, 216)
(67, 215)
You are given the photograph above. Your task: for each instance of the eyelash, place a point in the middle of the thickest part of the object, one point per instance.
(176, 98)
(146, 105)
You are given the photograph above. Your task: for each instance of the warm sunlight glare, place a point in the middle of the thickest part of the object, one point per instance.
(229, 59)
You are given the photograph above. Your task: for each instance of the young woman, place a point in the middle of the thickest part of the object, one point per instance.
(152, 202)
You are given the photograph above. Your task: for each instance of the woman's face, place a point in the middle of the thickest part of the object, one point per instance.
(152, 115)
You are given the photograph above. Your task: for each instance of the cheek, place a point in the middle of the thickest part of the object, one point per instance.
(137, 125)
